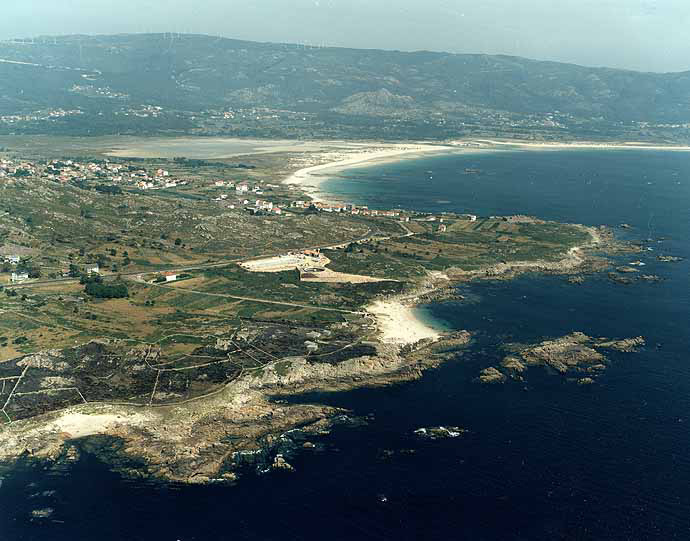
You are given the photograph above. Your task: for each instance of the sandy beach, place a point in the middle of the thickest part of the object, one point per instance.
(398, 324)
(311, 177)
(396, 321)
(631, 145)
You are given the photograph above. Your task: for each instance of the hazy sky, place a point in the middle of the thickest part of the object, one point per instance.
(652, 35)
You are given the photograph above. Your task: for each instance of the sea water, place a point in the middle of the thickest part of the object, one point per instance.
(544, 459)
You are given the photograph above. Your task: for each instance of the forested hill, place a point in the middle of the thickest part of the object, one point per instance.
(190, 83)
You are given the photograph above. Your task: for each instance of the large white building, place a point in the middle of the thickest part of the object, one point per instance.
(19, 276)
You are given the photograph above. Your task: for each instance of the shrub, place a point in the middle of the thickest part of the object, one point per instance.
(107, 291)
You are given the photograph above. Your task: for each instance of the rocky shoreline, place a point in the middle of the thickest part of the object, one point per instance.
(575, 354)
(210, 439)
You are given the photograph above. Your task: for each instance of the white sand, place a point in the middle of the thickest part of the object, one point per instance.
(398, 324)
(310, 178)
(79, 425)
(76, 422)
(575, 145)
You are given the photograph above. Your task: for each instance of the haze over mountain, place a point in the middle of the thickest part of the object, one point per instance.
(156, 83)
(645, 35)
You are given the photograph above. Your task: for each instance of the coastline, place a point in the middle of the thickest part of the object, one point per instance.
(242, 411)
(396, 320)
(398, 324)
(309, 179)
(561, 145)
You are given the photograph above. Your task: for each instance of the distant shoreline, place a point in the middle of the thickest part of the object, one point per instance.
(397, 321)
(560, 145)
(310, 178)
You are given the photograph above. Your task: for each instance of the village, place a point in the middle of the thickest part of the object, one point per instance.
(226, 190)
(235, 194)
(72, 171)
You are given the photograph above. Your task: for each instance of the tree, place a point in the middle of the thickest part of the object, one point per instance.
(178, 241)
(90, 279)
(117, 290)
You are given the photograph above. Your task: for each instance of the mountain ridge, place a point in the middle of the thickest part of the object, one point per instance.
(47, 38)
(434, 94)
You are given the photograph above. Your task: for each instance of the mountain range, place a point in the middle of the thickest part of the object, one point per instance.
(172, 83)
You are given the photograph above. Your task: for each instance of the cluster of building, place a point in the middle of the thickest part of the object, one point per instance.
(366, 211)
(145, 111)
(267, 206)
(74, 171)
(20, 274)
(12, 168)
(92, 91)
(244, 191)
(38, 116)
(346, 208)
(240, 187)
(255, 114)
(17, 274)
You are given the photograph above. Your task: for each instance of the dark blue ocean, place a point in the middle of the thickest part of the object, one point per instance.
(546, 459)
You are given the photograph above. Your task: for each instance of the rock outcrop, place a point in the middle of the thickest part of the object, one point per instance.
(492, 375)
(572, 353)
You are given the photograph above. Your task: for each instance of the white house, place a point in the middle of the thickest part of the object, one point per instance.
(92, 269)
(13, 259)
(170, 276)
(19, 276)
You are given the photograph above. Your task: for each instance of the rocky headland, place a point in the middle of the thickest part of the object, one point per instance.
(212, 437)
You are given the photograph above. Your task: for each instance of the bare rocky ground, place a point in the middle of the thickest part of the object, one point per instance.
(205, 418)
(209, 438)
(575, 355)
(205, 415)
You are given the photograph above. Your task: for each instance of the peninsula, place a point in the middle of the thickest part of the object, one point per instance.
(161, 307)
